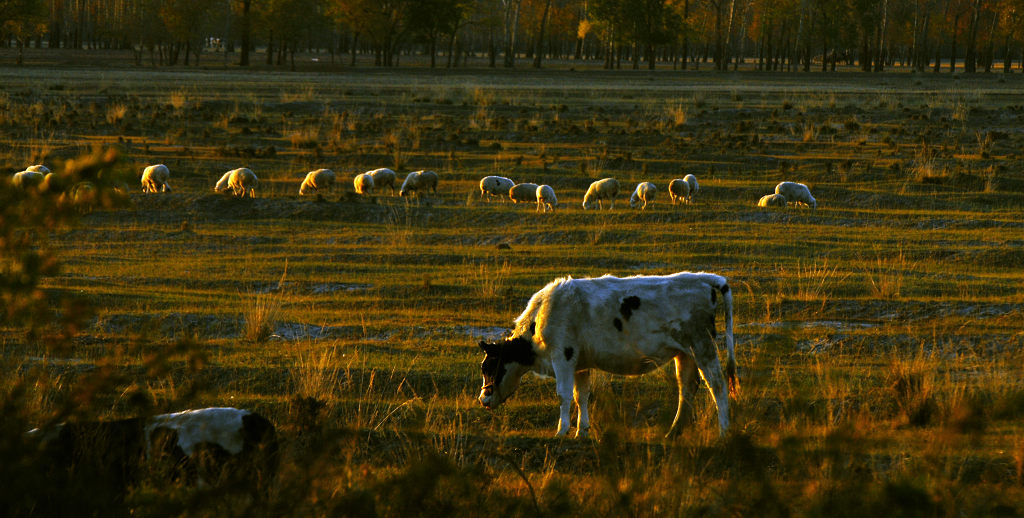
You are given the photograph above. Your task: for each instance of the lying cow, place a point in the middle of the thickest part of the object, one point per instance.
(624, 326)
(197, 446)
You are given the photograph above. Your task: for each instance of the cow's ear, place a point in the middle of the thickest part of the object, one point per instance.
(484, 345)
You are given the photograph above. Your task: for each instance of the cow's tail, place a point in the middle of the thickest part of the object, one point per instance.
(730, 365)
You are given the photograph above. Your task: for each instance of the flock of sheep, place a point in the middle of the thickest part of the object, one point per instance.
(242, 182)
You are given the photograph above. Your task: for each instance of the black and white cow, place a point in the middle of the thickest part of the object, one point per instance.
(627, 326)
(197, 446)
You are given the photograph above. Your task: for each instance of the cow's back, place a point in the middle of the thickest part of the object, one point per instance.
(627, 325)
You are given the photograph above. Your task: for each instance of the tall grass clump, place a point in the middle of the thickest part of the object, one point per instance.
(315, 372)
(886, 275)
(817, 281)
(263, 312)
(492, 280)
(116, 113)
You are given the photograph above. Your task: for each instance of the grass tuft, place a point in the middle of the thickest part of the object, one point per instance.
(263, 312)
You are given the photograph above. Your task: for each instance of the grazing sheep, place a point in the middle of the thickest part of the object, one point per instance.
(39, 168)
(84, 196)
(27, 179)
(796, 193)
(419, 180)
(154, 178)
(205, 447)
(546, 199)
(495, 186)
(363, 183)
(222, 184)
(318, 180)
(694, 186)
(523, 193)
(678, 190)
(645, 192)
(606, 188)
(240, 181)
(243, 180)
(55, 183)
(772, 200)
(382, 178)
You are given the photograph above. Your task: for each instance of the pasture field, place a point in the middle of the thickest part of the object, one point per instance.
(879, 337)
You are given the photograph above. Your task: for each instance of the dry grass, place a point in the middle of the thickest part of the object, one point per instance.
(263, 311)
(874, 382)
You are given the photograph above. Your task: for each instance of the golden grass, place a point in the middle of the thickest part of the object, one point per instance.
(877, 340)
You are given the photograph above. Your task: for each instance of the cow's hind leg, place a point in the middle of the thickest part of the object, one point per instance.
(706, 356)
(688, 381)
(581, 393)
(564, 385)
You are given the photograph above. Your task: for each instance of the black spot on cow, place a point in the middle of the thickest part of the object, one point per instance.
(568, 353)
(498, 355)
(714, 296)
(617, 323)
(628, 306)
(519, 350)
(725, 289)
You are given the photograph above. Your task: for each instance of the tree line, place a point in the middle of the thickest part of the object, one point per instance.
(770, 35)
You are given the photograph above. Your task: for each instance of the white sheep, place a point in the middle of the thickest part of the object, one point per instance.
(154, 178)
(39, 168)
(694, 186)
(546, 199)
(240, 181)
(418, 180)
(382, 178)
(796, 193)
(55, 183)
(243, 180)
(606, 188)
(678, 190)
(644, 193)
(495, 186)
(222, 184)
(772, 200)
(523, 192)
(84, 196)
(363, 183)
(317, 180)
(27, 179)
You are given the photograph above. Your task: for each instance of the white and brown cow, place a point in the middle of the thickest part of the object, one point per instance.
(626, 326)
(200, 446)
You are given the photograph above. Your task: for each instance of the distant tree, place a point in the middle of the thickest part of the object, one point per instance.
(188, 22)
(644, 23)
(24, 20)
(385, 23)
(429, 20)
(293, 21)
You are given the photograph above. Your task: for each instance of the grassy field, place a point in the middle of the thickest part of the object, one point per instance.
(878, 337)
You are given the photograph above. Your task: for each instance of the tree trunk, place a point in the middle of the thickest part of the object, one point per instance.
(971, 55)
(243, 59)
(1007, 60)
(538, 49)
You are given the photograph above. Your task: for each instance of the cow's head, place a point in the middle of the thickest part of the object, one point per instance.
(504, 365)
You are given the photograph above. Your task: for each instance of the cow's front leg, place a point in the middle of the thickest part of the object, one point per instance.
(582, 396)
(564, 385)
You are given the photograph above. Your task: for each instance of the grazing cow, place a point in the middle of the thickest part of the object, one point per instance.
(201, 445)
(627, 326)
